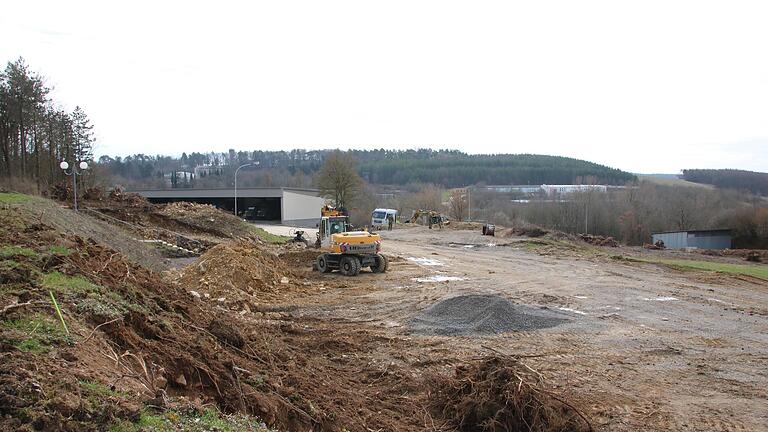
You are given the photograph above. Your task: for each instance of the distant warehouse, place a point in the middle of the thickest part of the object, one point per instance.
(700, 239)
(289, 206)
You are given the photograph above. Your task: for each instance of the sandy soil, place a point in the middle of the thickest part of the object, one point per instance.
(644, 347)
(284, 230)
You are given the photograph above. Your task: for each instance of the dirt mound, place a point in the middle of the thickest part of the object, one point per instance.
(244, 273)
(659, 245)
(226, 333)
(130, 199)
(477, 314)
(61, 191)
(134, 344)
(524, 230)
(503, 394)
(205, 218)
(300, 258)
(753, 255)
(598, 240)
(471, 226)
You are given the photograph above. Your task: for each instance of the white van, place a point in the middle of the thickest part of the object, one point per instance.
(380, 216)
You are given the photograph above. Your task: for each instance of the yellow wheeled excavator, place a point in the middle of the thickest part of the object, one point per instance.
(346, 251)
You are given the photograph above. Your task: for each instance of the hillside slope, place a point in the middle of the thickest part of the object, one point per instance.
(752, 181)
(453, 170)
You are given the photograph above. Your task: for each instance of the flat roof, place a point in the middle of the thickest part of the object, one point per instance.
(228, 188)
(244, 192)
(722, 230)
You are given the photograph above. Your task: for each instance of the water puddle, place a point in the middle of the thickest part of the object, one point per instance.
(567, 309)
(426, 261)
(438, 278)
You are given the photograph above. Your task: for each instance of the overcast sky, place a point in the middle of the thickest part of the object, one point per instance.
(643, 86)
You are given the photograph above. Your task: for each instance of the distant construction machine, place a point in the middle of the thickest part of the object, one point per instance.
(432, 218)
(346, 251)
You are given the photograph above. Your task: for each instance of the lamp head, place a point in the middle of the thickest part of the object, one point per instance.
(63, 165)
(83, 165)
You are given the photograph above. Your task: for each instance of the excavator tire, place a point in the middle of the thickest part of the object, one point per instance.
(382, 264)
(322, 264)
(349, 265)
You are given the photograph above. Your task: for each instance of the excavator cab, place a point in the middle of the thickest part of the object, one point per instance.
(328, 226)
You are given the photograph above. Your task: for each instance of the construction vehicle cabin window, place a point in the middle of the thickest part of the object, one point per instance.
(337, 226)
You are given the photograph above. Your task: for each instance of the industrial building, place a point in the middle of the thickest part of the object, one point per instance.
(289, 206)
(700, 239)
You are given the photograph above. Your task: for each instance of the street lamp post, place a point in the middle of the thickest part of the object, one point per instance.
(469, 205)
(74, 173)
(238, 169)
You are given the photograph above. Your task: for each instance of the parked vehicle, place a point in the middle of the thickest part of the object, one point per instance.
(380, 217)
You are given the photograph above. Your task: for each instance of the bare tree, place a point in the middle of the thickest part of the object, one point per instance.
(458, 204)
(338, 179)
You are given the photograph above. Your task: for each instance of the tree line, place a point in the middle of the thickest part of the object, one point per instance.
(631, 214)
(755, 182)
(36, 133)
(446, 168)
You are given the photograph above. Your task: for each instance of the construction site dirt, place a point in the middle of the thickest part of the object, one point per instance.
(464, 332)
(645, 347)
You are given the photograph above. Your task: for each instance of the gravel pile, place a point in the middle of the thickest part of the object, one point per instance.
(477, 315)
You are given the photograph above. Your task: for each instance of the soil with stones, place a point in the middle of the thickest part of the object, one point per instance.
(468, 315)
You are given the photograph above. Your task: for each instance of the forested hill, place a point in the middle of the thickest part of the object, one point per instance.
(755, 182)
(448, 168)
(452, 169)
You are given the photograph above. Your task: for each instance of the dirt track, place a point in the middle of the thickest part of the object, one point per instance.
(644, 347)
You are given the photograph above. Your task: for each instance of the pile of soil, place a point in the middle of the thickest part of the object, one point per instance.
(598, 240)
(61, 191)
(205, 218)
(135, 344)
(243, 273)
(300, 258)
(753, 255)
(470, 226)
(524, 230)
(130, 199)
(502, 394)
(478, 315)
(659, 245)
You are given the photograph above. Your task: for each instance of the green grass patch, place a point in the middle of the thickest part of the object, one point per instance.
(32, 345)
(59, 250)
(758, 271)
(69, 284)
(92, 299)
(191, 420)
(17, 251)
(101, 308)
(95, 392)
(13, 198)
(35, 334)
(267, 236)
